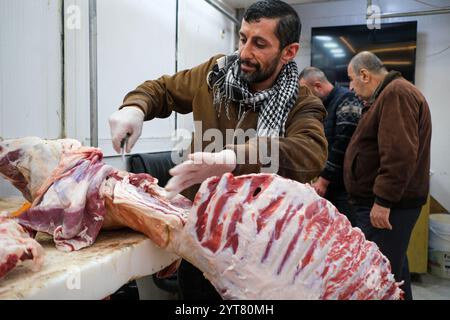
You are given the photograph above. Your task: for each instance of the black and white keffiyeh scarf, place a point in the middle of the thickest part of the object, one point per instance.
(273, 104)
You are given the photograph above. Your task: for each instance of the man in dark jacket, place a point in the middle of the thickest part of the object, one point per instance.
(387, 165)
(343, 113)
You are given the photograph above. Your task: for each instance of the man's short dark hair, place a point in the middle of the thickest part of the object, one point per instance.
(289, 25)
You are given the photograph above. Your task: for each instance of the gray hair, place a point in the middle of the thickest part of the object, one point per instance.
(369, 61)
(313, 74)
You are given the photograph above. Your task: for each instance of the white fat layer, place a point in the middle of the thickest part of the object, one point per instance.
(38, 158)
(244, 274)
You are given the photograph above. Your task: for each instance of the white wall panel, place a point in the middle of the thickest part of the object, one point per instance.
(30, 71)
(432, 65)
(203, 32)
(76, 70)
(136, 42)
(30, 68)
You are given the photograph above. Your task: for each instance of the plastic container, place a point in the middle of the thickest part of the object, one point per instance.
(439, 245)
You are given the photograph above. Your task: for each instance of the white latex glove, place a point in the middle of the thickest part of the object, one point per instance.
(128, 120)
(199, 167)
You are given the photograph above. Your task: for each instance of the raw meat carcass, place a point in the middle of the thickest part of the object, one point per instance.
(254, 237)
(136, 201)
(17, 246)
(68, 205)
(29, 162)
(265, 237)
(62, 179)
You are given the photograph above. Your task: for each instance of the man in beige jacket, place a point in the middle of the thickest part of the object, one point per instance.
(254, 90)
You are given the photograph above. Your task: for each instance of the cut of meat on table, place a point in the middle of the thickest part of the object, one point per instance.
(61, 179)
(17, 246)
(255, 236)
(136, 201)
(67, 202)
(281, 241)
(29, 162)
(265, 237)
(68, 205)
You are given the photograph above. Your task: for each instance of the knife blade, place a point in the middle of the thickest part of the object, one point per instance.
(123, 146)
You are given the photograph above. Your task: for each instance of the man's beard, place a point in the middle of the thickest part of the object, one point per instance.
(259, 75)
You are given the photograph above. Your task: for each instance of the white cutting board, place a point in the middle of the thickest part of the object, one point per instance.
(116, 258)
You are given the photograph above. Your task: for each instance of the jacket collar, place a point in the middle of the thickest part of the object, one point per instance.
(330, 96)
(391, 76)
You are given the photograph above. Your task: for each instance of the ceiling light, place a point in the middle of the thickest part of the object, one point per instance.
(324, 38)
(331, 45)
(339, 55)
(337, 51)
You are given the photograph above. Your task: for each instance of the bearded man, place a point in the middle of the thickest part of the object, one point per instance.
(254, 91)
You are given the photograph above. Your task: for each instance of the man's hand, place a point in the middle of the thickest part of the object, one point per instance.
(199, 167)
(379, 217)
(128, 120)
(321, 186)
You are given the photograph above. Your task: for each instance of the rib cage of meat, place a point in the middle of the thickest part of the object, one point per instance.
(254, 237)
(266, 237)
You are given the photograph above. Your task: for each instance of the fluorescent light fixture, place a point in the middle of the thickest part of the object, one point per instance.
(337, 51)
(339, 55)
(330, 45)
(324, 38)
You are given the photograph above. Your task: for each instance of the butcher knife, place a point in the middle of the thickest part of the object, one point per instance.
(123, 146)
